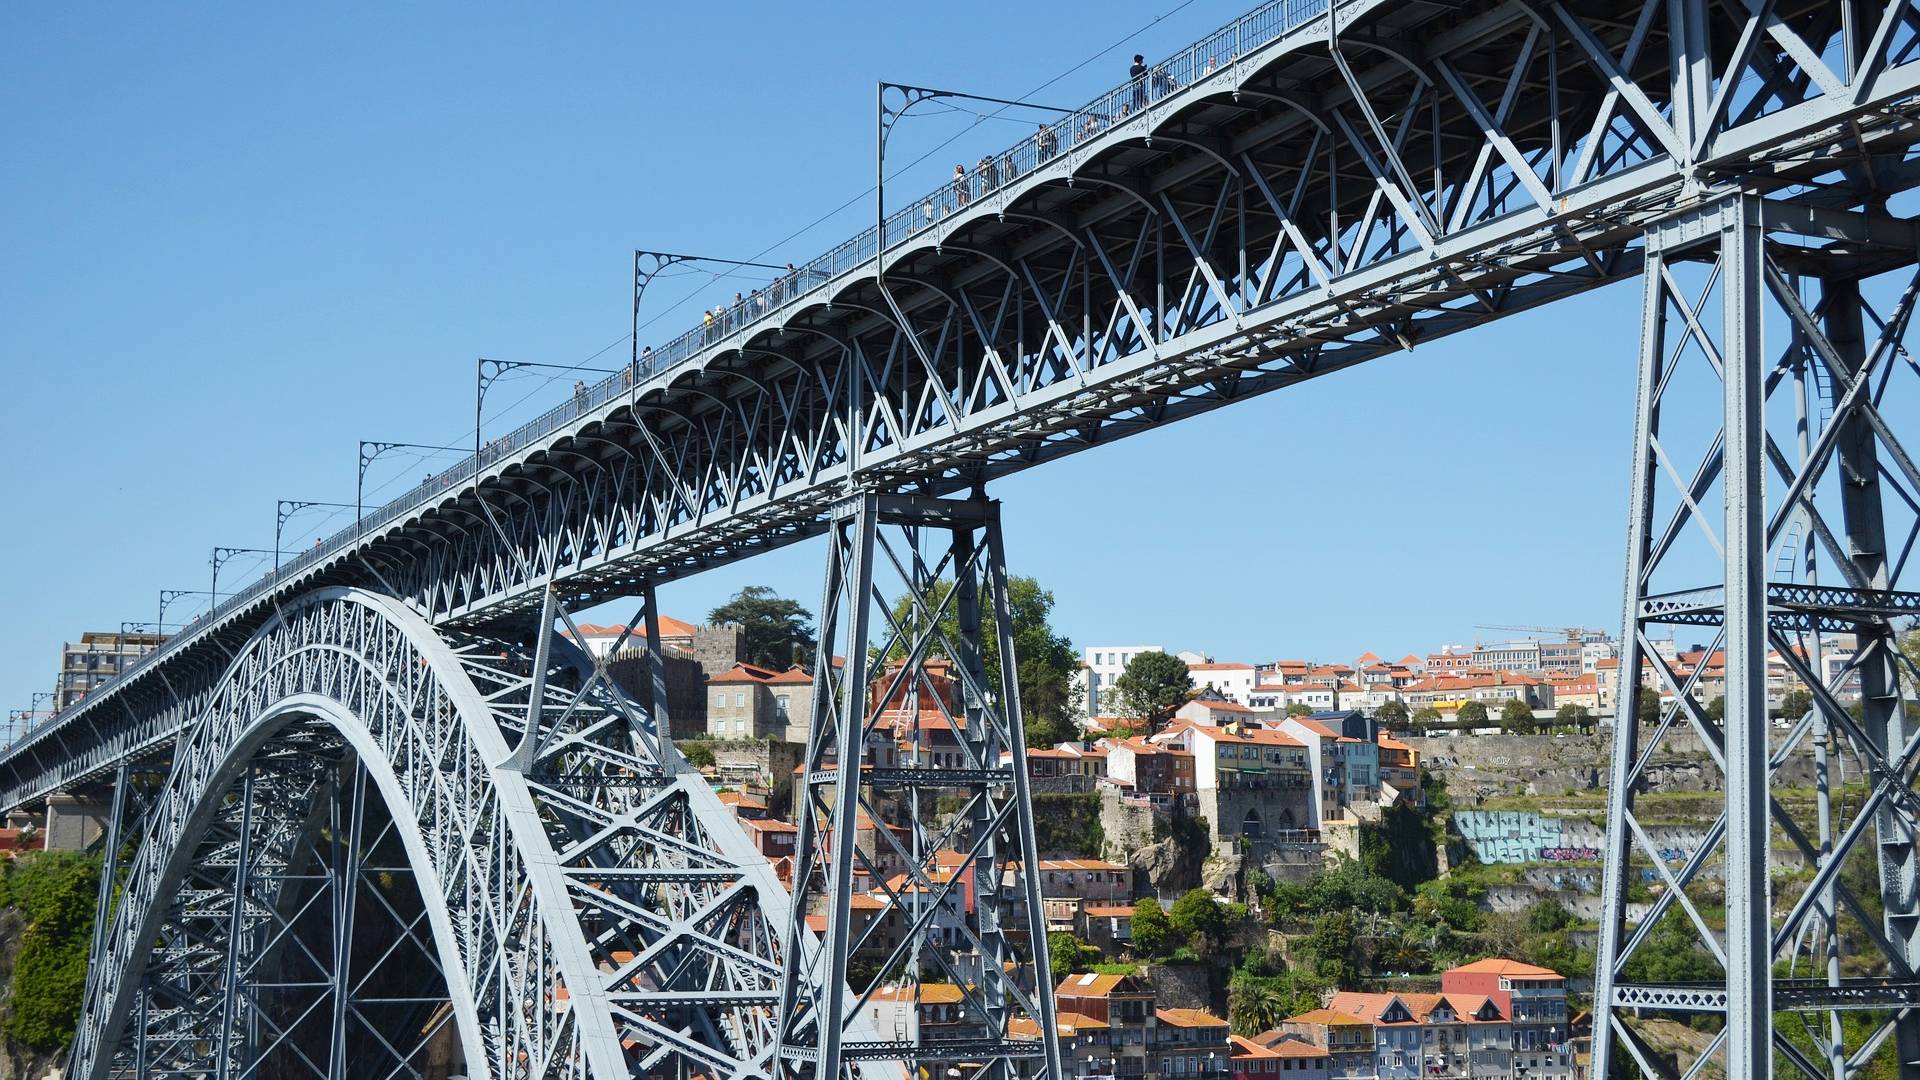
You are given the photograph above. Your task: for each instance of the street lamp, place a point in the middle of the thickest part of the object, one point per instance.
(286, 508)
(370, 452)
(167, 597)
(487, 372)
(887, 115)
(648, 265)
(220, 557)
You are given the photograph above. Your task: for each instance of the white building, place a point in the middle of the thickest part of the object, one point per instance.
(1234, 681)
(1104, 665)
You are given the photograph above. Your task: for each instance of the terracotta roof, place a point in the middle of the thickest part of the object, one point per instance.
(1326, 1016)
(794, 674)
(744, 673)
(1110, 911)
(1295, 1048)
(1089, 984)
(1188, 1018)
(1318, 728)
(1219, 667)
(1247, 1048)
(1494, 965)
(933, 993)
(770, 825)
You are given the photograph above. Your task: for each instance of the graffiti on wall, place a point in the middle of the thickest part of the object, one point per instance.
(1522, 836)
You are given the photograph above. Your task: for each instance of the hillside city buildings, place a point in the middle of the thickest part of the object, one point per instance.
(1282, 760)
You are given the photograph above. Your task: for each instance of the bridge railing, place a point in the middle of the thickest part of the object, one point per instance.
(1196, 62)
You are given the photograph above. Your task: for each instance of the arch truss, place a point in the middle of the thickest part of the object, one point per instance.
(381, 851)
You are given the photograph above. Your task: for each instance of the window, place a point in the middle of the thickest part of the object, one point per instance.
(719, 697)
(739, 699)
(739, 727)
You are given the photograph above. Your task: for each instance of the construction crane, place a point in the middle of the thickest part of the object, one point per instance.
(1574, 633)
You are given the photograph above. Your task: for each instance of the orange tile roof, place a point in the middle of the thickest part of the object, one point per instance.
(933, 993)
(794, 674)
(1089, 984)
(1247, 1048)
(743, 673)
(1327, 1016)
(1188, 1018)
(1494, 965)
(1110, 911)
(1296, 1048)
(1219, 667)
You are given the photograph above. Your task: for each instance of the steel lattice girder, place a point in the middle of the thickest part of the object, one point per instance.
(944, 560)
(1319, 202)
(573, 939)
(1775, 541)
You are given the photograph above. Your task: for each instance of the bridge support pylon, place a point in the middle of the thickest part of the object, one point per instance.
(1770, 379)
(915, 791)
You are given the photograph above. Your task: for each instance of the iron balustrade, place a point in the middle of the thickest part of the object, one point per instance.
(1217, 52)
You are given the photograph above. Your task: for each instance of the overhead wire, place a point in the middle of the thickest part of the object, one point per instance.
(711, 276)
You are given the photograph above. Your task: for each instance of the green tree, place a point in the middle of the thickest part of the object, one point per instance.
(56, 893)
(1392, 715)
(1045, 661)
(697, 752)
(1255, 1003)
(1349, 885)
(779, 631)
(1471, 715)
(1153, 685)
(1067, 954)
(1299, 708)
(1200, 920)
(1717, 708)
(1423, 720)
(1647, 707)
(1152, 932)
(1577, 717)
(1795, 703)
(1516, 718)
(1333, 948)
(1547, 916)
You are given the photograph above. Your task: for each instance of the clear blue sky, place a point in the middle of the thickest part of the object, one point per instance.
(238, 238)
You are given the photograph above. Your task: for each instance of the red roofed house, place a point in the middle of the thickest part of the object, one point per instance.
(1535, 1001)
(1252, 782)
(1189, 1043)
(1289, 1058)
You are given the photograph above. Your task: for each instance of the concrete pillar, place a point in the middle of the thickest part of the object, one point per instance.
(73, 823)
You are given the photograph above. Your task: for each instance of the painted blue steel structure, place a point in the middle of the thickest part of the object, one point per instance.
(1308, 188)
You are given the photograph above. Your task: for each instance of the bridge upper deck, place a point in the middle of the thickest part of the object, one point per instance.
(1302, 190)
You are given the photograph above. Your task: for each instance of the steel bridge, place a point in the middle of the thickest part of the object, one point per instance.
(384, 820)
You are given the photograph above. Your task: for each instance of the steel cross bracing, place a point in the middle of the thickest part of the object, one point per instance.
(1335, 193)
(592, 911)
(916, 597)
(1773, 369)
(1368, 180)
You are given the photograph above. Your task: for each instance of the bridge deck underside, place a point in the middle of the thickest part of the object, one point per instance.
(1312, 205)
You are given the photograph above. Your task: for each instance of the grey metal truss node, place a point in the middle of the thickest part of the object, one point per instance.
(912, 580)
(586, 925)
(1714, 278)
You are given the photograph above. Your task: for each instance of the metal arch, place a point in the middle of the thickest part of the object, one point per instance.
(299, 647)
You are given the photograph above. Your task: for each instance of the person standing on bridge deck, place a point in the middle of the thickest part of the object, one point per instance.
(706, 320)
(1045, 143)
(989, 173)
(962, 191)
(1162, 82)
(646, 360)
(1138, 73)
(580, 394)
